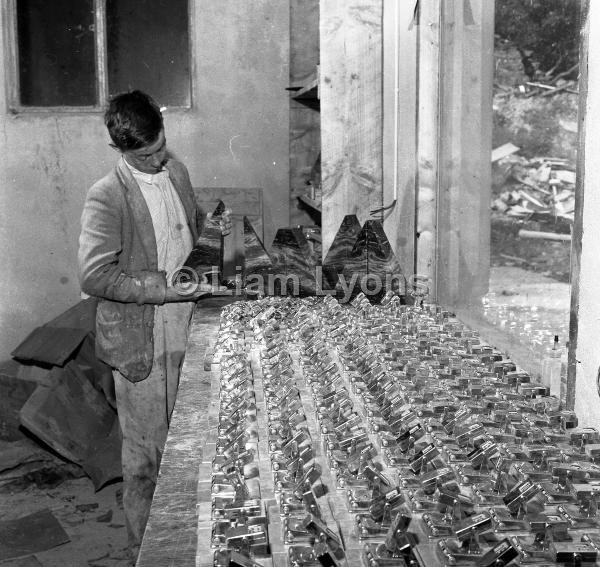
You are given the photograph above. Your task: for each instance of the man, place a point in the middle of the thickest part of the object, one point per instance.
(139, 224)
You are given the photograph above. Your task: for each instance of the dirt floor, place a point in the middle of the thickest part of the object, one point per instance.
(94, 522)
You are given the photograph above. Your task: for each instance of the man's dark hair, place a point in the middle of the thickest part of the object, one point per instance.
(133, 120)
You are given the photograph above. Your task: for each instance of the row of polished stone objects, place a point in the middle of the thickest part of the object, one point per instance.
(450, 447)
(376, 502)
(370, 495)
(239, 521)
(296, 474)
(456, 499)
(349, 453)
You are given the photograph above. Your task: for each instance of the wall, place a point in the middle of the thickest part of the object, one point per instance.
(236, 135)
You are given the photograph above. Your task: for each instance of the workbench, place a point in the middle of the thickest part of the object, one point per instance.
(171, 533)
(389, 402)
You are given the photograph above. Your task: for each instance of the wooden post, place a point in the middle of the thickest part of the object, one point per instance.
(351, 111)
(584, 355)
(465, 138)
(427, 21)
(399, 124)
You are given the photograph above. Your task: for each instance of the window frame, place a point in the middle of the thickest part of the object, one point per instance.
(101, 51)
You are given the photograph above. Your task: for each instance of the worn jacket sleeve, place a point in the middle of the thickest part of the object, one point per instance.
(101, 271)
(198, 217)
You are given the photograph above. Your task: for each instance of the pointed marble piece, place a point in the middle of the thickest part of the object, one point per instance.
(256, 259)
(341, 248)
(372, 256)
(207, 255)
(295, 260)
(219, 209)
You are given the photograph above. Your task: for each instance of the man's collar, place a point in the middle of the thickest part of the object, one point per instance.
(149, 178)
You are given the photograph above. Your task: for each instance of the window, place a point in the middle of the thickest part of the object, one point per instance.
(74, 54)
(480, 147)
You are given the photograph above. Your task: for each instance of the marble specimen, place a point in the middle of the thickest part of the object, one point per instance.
(206, 258)
(372, 264)
(296, 263)
(257, 261)
(340, 250)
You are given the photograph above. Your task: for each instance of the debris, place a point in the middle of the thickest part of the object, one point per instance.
(30, 534)
(544, 235)
(16, 453)
(514, 258)
(50, 345)
(33, 373)
(105, 518)
(93, 562)
(569, 125)
(72, 417)
(565, 176)
(29, 561)
(503, 151)
(542, 188)
(24, 463)
(54, 342)
(87, 507)
(119, 497)
(103, 460)
(15, 392)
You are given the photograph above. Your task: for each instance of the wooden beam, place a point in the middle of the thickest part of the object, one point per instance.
(399, 124)
(584, 355)
(428, 22)
(351, 111)
(465, 138)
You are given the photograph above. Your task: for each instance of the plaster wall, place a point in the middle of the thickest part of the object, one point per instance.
(235, 135)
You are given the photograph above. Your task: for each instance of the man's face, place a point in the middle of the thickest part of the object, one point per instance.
(150, 158)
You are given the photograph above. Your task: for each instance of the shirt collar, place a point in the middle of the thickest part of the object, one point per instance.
(149, 178)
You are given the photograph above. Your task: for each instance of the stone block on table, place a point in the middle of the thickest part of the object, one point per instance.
(258, 263)
(206, 258)
(295, 263)
(340, 250)
(256, 258)
(372, 267)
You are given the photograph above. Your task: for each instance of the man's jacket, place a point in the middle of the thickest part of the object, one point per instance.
(118, 264)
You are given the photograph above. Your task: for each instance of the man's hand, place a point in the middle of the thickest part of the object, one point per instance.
(190, 292)
(184, 286)
(224, 221)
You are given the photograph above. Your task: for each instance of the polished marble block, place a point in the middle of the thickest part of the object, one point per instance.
(206, 258)
(296, 263)
(372, 266)
(340, 250)
(257, 261)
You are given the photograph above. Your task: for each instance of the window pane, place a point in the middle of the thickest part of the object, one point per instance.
(148, 49)
(56, 52)
(533, 183)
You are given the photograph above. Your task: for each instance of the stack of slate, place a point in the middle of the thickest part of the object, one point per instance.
(64, 395)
